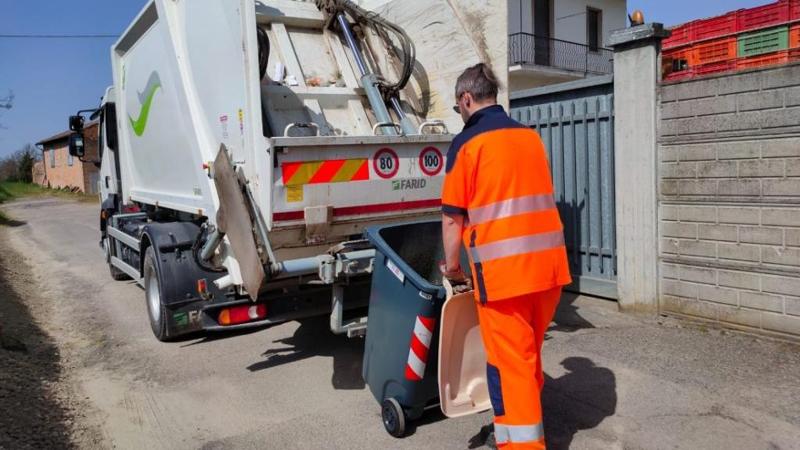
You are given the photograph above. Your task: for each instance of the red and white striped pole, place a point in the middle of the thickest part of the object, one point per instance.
(420, 344)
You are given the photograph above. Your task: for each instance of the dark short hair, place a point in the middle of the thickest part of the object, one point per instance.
(480, 81)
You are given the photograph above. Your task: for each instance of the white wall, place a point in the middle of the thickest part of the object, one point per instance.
(569, 17)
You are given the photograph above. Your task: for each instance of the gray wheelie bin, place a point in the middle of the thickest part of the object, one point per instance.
(401, 352)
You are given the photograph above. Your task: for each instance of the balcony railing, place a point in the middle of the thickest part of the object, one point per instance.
(524, 48)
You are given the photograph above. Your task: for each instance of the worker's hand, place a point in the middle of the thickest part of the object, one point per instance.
(457, 278)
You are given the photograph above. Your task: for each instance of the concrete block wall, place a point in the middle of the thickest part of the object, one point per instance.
(729, 199)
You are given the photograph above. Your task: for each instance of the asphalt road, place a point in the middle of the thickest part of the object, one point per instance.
(614, 381)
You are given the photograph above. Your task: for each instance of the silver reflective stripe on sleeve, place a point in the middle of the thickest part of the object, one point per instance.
(510, 208)
(503, 434)
(517, 246)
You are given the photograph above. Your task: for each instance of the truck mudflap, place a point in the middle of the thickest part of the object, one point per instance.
(186, 287)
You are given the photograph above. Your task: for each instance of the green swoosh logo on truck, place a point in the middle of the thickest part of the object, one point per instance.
(146, 99)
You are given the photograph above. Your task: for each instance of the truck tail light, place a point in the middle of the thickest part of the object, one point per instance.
(242, 314)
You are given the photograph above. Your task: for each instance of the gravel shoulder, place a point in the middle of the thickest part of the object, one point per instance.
(41, 408)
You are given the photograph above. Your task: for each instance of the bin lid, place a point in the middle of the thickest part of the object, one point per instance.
(463, 388)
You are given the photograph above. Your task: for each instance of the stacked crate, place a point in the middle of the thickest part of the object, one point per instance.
(743, 39)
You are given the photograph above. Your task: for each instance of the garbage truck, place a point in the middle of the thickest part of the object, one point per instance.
(246, 145)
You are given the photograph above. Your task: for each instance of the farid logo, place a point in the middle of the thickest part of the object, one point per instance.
(145, 100)
(407, 185)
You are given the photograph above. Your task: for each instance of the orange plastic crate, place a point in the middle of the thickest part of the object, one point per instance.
(716, 26)
(676, 64)
(683, 57)
(715, 51)
(794, 36)
(773, 14)
(770, 59)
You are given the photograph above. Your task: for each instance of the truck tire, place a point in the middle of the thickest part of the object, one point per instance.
(156, 311)
(116, 274)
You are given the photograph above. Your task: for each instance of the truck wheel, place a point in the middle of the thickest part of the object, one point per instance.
(156, 310)
(116, 274)
(394, 419)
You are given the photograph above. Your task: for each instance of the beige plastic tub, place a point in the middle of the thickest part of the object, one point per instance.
(463, 389)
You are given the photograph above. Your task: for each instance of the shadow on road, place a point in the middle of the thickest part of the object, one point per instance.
(313, 338)
(578, 400)
(8, 222)
(567, 318)
(30, 414)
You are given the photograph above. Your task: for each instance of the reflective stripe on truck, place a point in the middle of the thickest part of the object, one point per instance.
(330, 171)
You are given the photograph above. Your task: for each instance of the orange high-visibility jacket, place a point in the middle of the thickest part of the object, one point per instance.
(497, 177)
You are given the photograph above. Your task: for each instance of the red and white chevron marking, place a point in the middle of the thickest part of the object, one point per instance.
(420, 344)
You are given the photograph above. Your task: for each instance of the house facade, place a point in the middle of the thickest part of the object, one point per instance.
(62, 170)
(554, 41)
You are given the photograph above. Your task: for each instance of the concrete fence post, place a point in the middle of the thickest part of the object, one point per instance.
(636, 76)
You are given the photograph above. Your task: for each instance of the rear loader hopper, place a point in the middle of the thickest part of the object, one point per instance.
(247, 145)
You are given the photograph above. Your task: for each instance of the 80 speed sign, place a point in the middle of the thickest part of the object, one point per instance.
(386, 163)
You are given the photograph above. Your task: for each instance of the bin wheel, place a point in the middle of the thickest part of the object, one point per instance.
(394, 419)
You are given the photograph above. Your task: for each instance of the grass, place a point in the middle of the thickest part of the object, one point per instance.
(12, 190)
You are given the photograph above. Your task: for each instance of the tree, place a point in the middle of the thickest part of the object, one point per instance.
(8, 168)
(19, 165)
(25, 158)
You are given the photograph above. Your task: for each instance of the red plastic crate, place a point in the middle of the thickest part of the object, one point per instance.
(770, 59)
(794, 10)
(764, 16)
(717, 67)
(716, 26)
(681, 35)
(794, 36)
(676, 76)
(715, 51)
(794, 55)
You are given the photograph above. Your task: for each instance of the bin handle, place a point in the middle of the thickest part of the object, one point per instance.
(301, 125)
(433, 123)
(396, 126)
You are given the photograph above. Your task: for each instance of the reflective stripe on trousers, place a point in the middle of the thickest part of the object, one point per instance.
(511, 207)
(517, 246)
(518, 434)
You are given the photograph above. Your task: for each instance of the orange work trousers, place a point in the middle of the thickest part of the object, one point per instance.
(513, 332)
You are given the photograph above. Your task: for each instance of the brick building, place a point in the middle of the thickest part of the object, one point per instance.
(61, 170)
(37, 173)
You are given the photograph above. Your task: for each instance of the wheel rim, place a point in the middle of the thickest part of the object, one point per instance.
(153, 297)
(389, 418)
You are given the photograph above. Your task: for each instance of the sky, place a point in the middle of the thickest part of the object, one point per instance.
(53, 78)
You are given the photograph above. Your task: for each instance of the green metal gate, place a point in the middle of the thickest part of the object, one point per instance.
(576, 123)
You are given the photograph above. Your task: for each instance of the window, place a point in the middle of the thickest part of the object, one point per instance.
(594, 28)
(69, 159)
(52, 157)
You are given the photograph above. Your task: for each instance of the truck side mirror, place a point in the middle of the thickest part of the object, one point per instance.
(76, 123)
(110, 117)
(76, 147)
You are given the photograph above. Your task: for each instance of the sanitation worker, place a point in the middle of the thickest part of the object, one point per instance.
(498, 200)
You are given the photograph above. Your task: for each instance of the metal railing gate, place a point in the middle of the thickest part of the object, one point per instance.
(576, 123)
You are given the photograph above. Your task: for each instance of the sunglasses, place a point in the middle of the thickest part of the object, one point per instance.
(457, 107)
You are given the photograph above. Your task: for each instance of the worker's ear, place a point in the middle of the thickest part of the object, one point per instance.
(468, 100)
